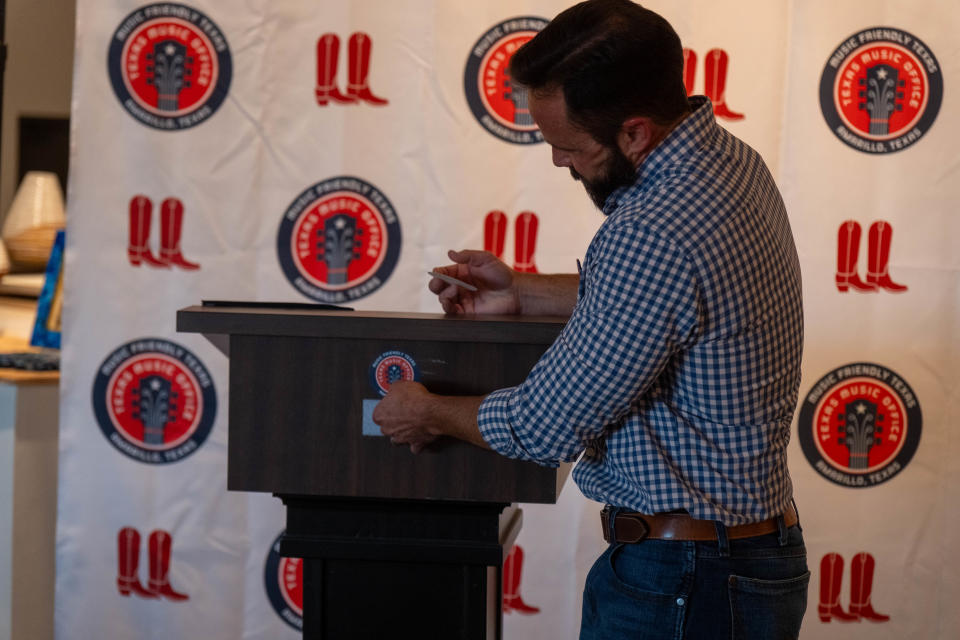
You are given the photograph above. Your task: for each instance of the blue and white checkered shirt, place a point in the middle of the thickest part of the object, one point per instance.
(678, 371)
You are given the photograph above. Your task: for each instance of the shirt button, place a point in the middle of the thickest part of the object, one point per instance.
(681, 602)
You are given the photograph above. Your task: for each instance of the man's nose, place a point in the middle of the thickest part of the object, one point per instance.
(561, 159)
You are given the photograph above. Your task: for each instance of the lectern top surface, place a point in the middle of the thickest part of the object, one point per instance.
(298, 320)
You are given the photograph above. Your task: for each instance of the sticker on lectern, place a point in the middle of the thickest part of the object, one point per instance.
(283, 579)
(387, 368)
(154, 400)
(390, 367)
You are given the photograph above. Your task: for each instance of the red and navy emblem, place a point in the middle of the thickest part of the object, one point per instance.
(283, 579)
(169, 65)
(860, 425)
(881, 90)
(154, 400)
(499, 105)
(390, 367)
(339, 240)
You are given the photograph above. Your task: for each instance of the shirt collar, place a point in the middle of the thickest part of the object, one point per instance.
(684, 138)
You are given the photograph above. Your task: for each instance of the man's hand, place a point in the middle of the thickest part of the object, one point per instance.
(496, 283)
(404, 415)
(409, 414)
(500, 289)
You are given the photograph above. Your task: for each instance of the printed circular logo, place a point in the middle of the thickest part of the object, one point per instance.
(499, 105)
(283, 578)
(881, 90)
(339, 240)
(391, 367)
(154, 400)
(860, 425)
(170, 66)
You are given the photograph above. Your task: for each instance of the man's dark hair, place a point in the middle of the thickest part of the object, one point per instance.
(613, 60)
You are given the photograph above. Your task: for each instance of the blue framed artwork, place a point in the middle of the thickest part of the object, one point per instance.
(46, 329)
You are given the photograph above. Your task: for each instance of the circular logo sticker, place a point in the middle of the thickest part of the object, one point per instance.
(339, 240)
(154, 400)
(497, 104)
(170, 66)
(283, 578)
(860, 425)
(881, 90)
(391, 367)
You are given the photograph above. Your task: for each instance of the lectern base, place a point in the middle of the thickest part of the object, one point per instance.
(400, 568)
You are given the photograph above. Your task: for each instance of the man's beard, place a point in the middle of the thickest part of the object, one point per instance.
(617, 172)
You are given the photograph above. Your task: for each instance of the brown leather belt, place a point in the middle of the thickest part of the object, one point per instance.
(631, 526)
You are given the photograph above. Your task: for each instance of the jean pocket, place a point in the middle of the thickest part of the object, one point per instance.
(632, 595)
(649, 569)
(767, 609)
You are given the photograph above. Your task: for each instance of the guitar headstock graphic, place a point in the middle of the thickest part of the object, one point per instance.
(860, 431)
(169, 72)
(153, 405)
(882, 96)
(339, 246)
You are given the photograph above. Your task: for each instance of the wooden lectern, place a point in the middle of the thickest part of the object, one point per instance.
(394, 545)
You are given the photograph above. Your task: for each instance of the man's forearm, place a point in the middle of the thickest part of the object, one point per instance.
(456, 416)
(547, 294)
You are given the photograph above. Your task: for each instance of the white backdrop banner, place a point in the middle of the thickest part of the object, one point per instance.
(211, 138)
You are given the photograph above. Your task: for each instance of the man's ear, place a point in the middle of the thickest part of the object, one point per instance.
(636, 138)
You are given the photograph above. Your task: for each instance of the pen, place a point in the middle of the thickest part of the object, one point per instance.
(452, 280)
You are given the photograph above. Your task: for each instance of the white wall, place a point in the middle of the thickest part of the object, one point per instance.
(39, 74)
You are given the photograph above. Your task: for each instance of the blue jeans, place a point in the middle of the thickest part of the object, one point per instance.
(748, 589)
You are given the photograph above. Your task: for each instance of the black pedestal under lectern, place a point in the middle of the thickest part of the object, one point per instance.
(394, 545)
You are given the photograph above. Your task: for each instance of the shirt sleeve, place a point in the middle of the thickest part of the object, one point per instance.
(640, 307)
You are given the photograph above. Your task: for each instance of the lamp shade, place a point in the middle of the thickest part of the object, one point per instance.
(33, 219)
(4, 260)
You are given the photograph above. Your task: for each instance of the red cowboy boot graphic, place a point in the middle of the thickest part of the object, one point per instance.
(160, 542)
(359, 47)
(831, 577)
(848, 247)
(328, 52)
(689, 69)
(171, 226)
(138, 250)
(512, 570)
(861, 584)
(495, 233)
(715, 83)
(128, 561)
(525, 232)
(878, 257)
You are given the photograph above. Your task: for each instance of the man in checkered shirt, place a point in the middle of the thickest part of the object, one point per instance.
(676, 377)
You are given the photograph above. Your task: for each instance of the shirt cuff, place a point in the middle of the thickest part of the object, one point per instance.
(496, 429)
(493, 418)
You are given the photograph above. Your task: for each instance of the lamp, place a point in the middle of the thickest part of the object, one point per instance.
(4, 260)
(33, 220)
